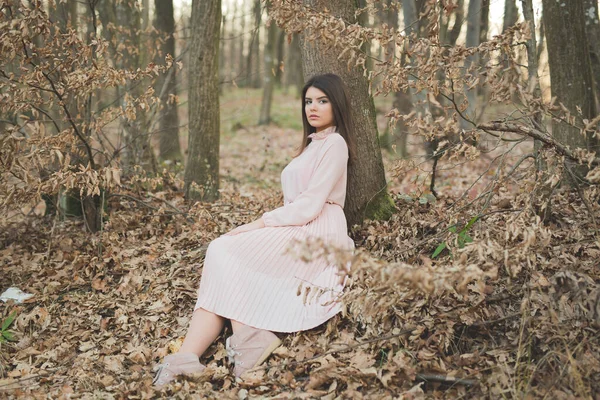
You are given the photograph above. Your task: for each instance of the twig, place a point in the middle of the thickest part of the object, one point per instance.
(585, 201)
(342, 350)
(438, 236)
(17, 381)
(536, 134)
(523, 158)
(177, 210)
(450, 380)
(134, 199)
(432, 184)
(494, 321)
(142, 202)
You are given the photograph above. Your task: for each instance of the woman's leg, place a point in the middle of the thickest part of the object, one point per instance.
(204, 329)
(250, 346)
(236, 326)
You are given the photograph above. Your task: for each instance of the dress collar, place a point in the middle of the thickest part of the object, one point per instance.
(323, 134)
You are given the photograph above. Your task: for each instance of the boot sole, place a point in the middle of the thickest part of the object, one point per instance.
(274, 344)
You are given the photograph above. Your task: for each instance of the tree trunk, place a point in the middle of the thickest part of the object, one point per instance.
(459, 17)
(363, 20)
(242, 74)
(473, 35)
(366, 195)
(270, 67)
(592, 29)
(202, 169)
(570, 70)
(293, 65)
(402, 100)
(483, 37)
(253, 77)
(410, 14)
(485, 21)
(169, 148)
(73, 13)
(222, 51)
(511, 14)
(233, 62)
(280, 56)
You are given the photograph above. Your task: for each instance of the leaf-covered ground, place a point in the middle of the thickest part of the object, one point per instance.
(510, 309)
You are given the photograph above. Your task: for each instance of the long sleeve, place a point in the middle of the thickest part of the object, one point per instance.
(331, 167)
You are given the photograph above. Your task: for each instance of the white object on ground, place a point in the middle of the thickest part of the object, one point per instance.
(16, 294)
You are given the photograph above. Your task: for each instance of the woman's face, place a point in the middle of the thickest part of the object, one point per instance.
(317, 108)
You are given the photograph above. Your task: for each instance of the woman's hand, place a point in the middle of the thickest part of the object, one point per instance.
(259, 223)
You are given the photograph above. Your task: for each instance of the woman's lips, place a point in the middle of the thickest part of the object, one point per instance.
(313, 117)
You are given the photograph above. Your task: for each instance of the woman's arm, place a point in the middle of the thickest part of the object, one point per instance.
(259, 223)
(330, 168)
(331, 165)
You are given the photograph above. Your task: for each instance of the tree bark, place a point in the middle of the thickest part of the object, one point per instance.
(293, 65)
(280, 56)
(270, 67)
(233, 62)
(202, 169)
(242, 74)
(66, 14)
(459, 17)
(169, 148)
(511, 14)
(253, 77)
(402, 100)
(413, 27)
(222, 51)
(485, 21)
(570, 70)
(366, 194)
(472, 40)
(592, 28)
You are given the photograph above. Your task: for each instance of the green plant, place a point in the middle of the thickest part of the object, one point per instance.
(5, 334)
(462, 237)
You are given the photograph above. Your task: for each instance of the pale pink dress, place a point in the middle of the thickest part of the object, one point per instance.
(249, 277)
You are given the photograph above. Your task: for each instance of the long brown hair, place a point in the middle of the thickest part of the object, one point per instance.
(333, 86)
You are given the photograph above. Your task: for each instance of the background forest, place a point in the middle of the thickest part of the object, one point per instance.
(134, 132)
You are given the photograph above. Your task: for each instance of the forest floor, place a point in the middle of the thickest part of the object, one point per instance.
(511, 309)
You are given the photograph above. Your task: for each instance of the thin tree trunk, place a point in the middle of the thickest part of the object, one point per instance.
(202, 169)
(592, 28)
(242, 73)
(232, 62)
(280, 56)
(412, 27)
(570, 70)
(253, 77)
(270, 66)
(73, 13)
(293, 65)
(459, 18)
(483, 37)
(543, 205)
(473, 35)
(511, 14)
(402, 100)
(542, 35)
(366, 195)
(222, 51)
(169, 148)
(485, 21)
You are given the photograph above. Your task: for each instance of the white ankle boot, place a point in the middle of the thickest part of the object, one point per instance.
(176, 364)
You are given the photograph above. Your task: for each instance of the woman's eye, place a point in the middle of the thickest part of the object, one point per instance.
(323, 101)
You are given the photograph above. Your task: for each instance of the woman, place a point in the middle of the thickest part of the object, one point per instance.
(248, 278)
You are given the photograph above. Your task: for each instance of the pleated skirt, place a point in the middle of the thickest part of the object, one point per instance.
(252, 278)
